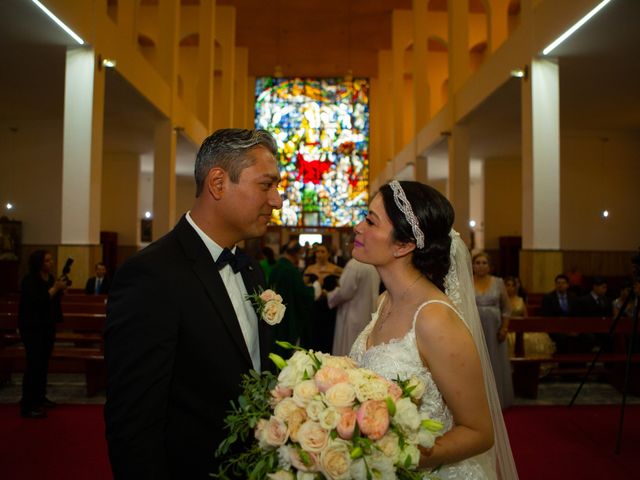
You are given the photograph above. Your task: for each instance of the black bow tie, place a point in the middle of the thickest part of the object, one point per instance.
(238, 261)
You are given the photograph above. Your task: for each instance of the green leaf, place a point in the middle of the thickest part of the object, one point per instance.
(391, 406)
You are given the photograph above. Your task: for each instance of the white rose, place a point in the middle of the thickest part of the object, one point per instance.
(406, 416)
(335, 461)
(344, 363)
(371, 389)
(329, 418)
(390, 445)
(314, 409)
(273, 312)
(289, 376)
(302, 363)
(304, 392)
(284, 408)
(341, 395)
(274, 434)
(312, 437)
(281, 475)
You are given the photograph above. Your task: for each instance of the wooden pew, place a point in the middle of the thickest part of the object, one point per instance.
(78, 348)
(67, 307)
(526, 370)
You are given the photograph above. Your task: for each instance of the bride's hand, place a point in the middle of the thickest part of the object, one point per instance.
(425, 462)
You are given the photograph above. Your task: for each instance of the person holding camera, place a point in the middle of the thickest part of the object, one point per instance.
(38, 313)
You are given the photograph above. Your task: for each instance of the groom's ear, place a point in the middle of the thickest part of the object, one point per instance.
(215, 182)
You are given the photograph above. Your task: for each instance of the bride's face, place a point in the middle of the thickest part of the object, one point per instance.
(373, 242)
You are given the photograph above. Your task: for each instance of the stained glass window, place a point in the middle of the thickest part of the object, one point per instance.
(322, 130)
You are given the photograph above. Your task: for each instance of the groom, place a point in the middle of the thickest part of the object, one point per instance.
(180, 332)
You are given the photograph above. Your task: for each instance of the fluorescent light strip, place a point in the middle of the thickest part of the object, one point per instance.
(570, 32)
(73, 34)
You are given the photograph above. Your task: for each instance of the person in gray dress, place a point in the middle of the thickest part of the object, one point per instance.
(494, 308)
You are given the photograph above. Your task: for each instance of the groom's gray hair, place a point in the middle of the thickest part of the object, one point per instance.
(226, 149)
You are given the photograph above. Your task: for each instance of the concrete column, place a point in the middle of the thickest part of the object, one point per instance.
(421, 94)
(164, 179)
(401, 31)
(422, 169)
(541, 174)
(385, 110)
(168, 41)
(82, 148)
(459, 68)
(120, 196)
(458, 191)
(225, 36)
(498, 23)
(206, 57)
(126, 20)
(240, 87)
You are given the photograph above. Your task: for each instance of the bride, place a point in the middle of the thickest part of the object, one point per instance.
(427, 325)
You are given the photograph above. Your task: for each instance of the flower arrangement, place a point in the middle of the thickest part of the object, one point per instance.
(268, 305)
(324, 418)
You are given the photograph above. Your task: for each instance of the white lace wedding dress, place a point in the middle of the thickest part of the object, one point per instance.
(400, 357)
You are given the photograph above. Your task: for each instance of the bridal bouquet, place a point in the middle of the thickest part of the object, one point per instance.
(324, 418)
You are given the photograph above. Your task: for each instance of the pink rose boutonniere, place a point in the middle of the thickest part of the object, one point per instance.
(268, 305)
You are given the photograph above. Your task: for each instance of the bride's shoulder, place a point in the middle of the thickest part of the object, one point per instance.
(437, 319)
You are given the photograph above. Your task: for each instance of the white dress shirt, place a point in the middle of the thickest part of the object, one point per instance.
(237, 291)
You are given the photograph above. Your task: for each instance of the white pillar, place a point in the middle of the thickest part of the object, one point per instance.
(82, 149)
(541, 157)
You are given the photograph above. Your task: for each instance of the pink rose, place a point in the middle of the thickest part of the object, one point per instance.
(373, 418)
(327, 377)
(395, 391)
(269, 295)
(280, 393)
(274, 433)
(346, 424)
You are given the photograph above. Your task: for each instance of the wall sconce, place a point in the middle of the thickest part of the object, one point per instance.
(520, 72)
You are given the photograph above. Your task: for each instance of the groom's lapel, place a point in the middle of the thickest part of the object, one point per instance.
(206, 270)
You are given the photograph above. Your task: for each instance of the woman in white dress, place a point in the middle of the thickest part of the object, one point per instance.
(419, 330)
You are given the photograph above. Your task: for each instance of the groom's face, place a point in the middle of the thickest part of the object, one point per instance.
(249, 203)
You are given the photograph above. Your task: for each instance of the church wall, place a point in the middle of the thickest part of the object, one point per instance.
(503, 199)
(120, 196)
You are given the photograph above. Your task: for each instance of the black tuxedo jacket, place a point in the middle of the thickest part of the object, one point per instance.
(90, 287)
(589, 307)
(551, 305)
(175, 355)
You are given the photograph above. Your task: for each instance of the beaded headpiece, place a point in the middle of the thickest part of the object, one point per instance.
(405, 207)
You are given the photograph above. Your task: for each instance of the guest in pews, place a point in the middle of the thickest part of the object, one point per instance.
(536, 344)
(618, 303)
(98, 285)
(38, 313)
(595, 304)
(180, 329)
(561, 303)
(495, 309)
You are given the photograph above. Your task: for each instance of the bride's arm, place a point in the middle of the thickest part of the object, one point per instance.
(448, 351)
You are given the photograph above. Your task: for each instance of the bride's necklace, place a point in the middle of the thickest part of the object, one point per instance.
(384, 314)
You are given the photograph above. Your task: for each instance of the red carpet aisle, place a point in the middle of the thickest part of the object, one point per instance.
(549, 443)
(68, 445)
(561, 443)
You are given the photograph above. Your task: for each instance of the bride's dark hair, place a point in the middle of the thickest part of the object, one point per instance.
(435, 217)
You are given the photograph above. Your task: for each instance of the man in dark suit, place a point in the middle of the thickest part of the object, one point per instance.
(596, 303)
(98, 285)
(560, 303)
(180, 332)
